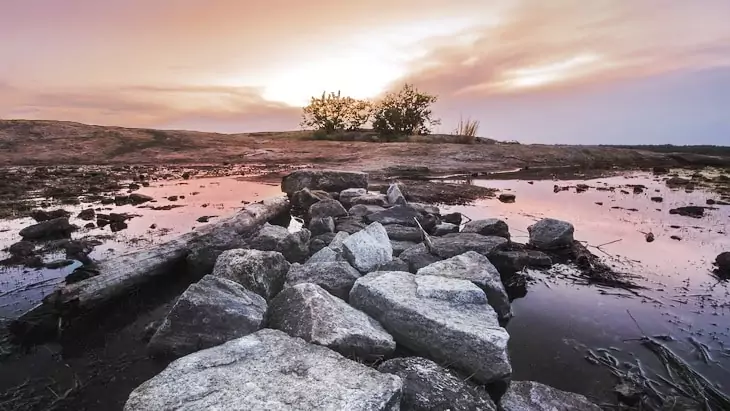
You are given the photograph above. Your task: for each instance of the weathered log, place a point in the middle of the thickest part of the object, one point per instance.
(120, 275)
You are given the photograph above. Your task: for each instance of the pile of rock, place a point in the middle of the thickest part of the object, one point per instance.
(292, 321)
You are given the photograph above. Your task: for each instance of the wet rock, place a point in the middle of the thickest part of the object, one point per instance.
(581, 188)
(367, 249)
(723, 263)
(172, 198)
(54, 265)
(205, 218)
(538, 259)
(346, 196)
(489, 227)
(399, 232)
(136, 198)
(117, 226)
(657, 199)
(395, 265)
(660, 170)
(429, 386)
(21, 249)
(649, 237)
(134, 186)
(446, 319)
(318, 226)
(676, 238)
(474, 267)
(49, 230)
(507, 198)
(445, 228)
(379, 200)
(327, 180)
(309, 312)
(677, 182)
(551, 234)
(429, 222)
(350, 225)
(395, 196)
(294, 246)
(689, 211)
(302, 200)
(638, 189)
(418, 257)
(453, 218)
(710, 201)
(533, 396)
(403, 215)
(327, 208)
(267, 370)
(452, 245)
(262, 272)
(210, 312)
(79, 249)
(337, 277)
(400, 246)
(509, 263)
(42, 215)
(87, 214)
(361, 210)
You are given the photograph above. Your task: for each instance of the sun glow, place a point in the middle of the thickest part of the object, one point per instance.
(552, 73)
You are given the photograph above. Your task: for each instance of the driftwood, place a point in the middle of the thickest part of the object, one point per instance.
(118, 276)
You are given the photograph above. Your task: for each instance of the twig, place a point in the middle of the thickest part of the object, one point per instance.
(609, 243)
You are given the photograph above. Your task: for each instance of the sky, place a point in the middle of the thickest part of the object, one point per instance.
(536, 71)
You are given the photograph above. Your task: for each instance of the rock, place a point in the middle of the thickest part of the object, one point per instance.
(395, 196)
(425, 208)
(533, 396)
(429, 222)
(327, 180)
(172, 198)
(723, 263)
(319, 242)
(294, 246)
(262, 272)
(346, 196)
(403, 215)
(117, 226)
(551, 234)
(22, 249)
(395, 265)
(677, 182)
(324, 225)
(79, 249)
(336, 277)
(710, 201)
(267, 370)
(54, 265)
(136, 198)
(490, 227)
(657, 199)
(308, 311)
(660, 170)
(429, 386)
(418, 257)
(509, 263)
(538, 259)
(87, 214)
(507, 198)
(445, 228)
(361, 210)
(210, 312)
(400, 246)
(474, 267)
(327, 208)
(205, 218)
(350, 225)
(689, 211)
(49, 230)
(446, 319)
(379, 200)
(367, 249)
(453, 218)
(42, 215)
(452, 245)
(649, 237)
(302, 200)
(399, 232)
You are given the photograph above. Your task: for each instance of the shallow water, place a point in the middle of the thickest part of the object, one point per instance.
(560, 319)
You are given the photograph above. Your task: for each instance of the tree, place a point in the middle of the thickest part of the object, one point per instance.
(332, 112)
(405, 112)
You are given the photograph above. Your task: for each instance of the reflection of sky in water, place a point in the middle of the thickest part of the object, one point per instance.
(558, 319)
(215, 197)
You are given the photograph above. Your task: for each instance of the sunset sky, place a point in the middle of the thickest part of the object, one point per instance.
(551, 71)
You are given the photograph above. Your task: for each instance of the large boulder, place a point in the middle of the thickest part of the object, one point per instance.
(379, 200)
(49, 230)
(476, 268)
(308, 311)
(351, 224)
(262, 272)
(418, 257)
(429, 386)
(488, 227)
(399, 232)
(367, 249)
(319, 226)
(267, 370)
(346, 196)
(305, 198)
(395, 195)
(444, 319)
(327, 208)
(210, 312)
(337, 277)
(403, 215)
(361, 210)
(533, 396)
(327, 180)
(551, 234)
(452, 245)
(294, 246)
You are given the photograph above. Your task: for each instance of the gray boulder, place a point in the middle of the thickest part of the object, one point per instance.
(533, 396)
(319, 226)
(331, 252)
(319, 242)
(305, 198)
(308, 311)
(400, 246)
(445, 319)
(294, 246)
(399, 232)
(476, 268)
(350, 224)
(429, 386)
(395, 196)
(418, 257)
(425, 208)
(210, 312)
(361, 210)
(550, 234)
(509, 263)
(336, 277)
(49, 230)
(262, 272)
(327, 180)
(267, 370)
(367, 249)
(327, 208)
(379, 200)
(453, 218)
(403, 215)
(346, 196)
(452, 245)
(488, 227)
(538, 259)
(395, 265)
(445, 228)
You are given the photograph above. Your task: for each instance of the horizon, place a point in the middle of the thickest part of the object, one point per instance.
(607, 72)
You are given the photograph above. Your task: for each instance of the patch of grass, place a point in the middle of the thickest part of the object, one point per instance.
(466, 131)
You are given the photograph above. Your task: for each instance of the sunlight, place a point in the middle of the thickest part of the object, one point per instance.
(551, 73)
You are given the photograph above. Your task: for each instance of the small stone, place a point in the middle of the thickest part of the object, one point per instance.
(507, 198)
(657, 199)
(689, 211)
(723, 263)
(172, 198)
(551, 234)
(453, 218)
(22, 249)
(87, 214)
(136, 198)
